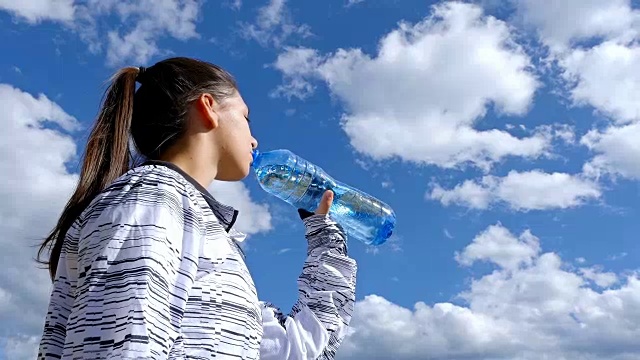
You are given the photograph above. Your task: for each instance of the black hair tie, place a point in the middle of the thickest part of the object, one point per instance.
(141, 71)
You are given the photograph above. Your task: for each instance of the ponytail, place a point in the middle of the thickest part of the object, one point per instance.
(106, 158)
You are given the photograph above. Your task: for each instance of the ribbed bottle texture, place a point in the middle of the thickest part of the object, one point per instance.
(301, 184)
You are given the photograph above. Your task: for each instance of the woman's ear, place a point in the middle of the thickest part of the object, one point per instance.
(207, 109)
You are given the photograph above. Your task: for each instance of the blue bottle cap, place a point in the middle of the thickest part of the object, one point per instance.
(255, 153)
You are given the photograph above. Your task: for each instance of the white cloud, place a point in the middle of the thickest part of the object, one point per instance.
(429, 83)
(563, 132)
(522, 191)
(274, 25)
(594, 44)
(617, 149)
(253, 218)
(21, 347)
(36, 185)
(469, 193)
(619, 256)
(296, 64)
(605, 77)
(142, 23)
(563, 23)
(234, 4)
(383, 330)
(602, 279)
(353, 2)
(497, 245)
(35, 11)
(544, 309)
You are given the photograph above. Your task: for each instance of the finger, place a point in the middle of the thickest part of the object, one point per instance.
(325, 203)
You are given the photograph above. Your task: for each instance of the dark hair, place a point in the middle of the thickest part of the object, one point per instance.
(154, 117)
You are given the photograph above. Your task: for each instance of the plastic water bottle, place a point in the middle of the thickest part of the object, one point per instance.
(302, 184)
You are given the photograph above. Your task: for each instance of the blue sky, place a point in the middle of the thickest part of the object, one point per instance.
(503, 134)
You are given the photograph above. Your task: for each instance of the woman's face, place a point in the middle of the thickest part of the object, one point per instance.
(234, 140)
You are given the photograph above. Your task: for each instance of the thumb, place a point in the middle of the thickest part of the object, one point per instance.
(325, 203)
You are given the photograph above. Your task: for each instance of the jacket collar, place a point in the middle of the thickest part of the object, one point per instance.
(226, 214)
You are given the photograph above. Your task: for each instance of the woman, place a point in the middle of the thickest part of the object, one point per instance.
(145, 262)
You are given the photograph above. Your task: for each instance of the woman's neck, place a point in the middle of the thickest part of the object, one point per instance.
(191, 160)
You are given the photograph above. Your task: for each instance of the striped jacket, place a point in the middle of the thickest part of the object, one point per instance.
(152, 270)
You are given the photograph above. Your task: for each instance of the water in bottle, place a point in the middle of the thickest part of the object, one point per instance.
(302, 184)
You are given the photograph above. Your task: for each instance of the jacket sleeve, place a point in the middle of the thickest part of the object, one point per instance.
(318, 321)
(137, 262)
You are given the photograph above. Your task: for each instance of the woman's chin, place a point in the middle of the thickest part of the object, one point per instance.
(237, 175)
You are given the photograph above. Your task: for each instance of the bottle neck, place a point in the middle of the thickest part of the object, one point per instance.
(256, 157)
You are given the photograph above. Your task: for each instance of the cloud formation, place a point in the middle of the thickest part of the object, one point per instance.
(520, 191)
(532, 306)
(427, 86)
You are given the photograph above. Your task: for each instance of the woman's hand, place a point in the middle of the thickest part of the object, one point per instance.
(325, 203)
